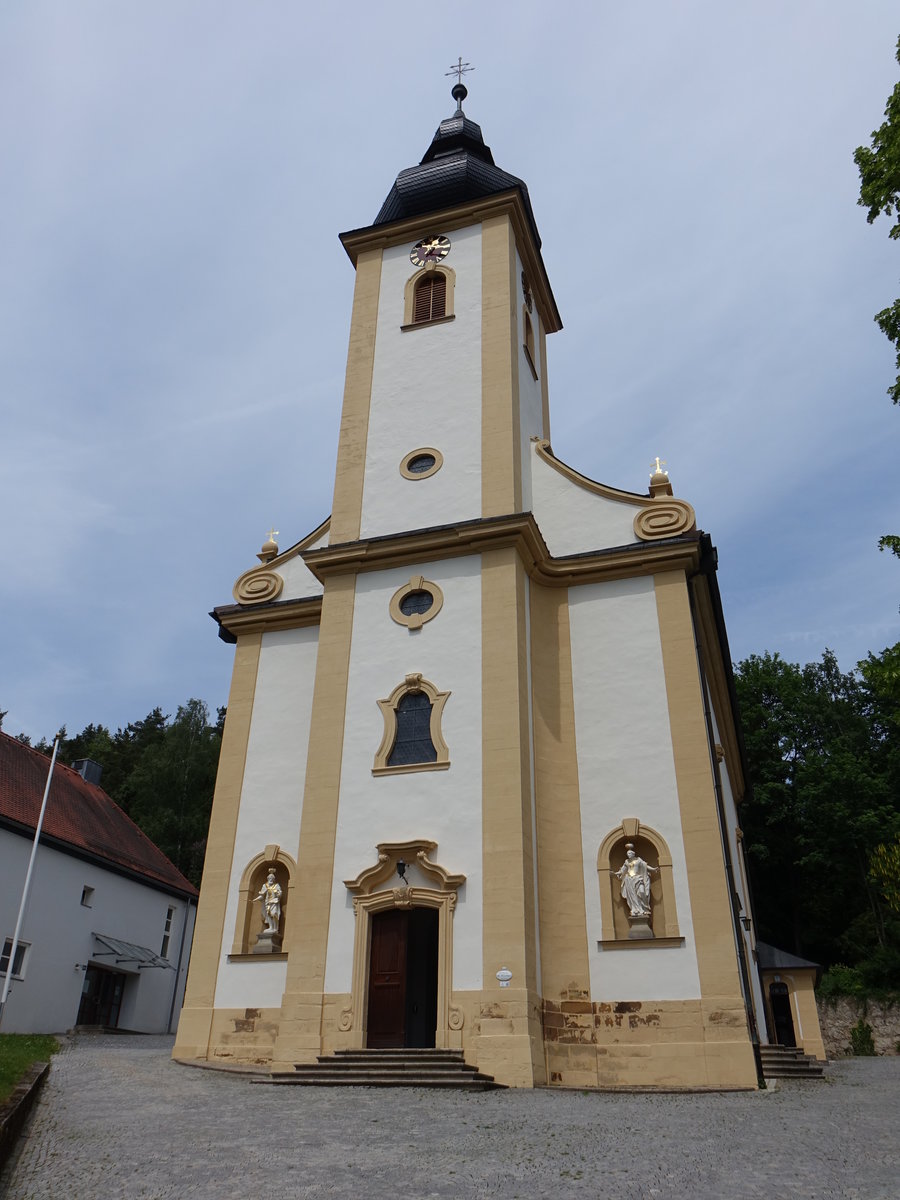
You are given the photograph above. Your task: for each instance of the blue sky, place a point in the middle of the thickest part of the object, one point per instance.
(174, 304)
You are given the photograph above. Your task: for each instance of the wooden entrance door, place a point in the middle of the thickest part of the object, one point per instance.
(403, 978)
(387, 979)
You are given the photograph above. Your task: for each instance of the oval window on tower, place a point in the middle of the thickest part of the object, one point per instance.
(416, 602)
(421, 463)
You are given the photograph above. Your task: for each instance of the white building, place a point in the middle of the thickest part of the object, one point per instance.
(457, 704)
(107, 933)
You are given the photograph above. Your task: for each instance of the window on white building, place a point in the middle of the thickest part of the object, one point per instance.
(87, 897)
(167, 933)
(18, 961)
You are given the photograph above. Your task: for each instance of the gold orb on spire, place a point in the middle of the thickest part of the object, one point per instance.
(269, 547)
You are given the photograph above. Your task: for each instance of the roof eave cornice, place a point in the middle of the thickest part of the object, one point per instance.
(374, 237)
(107, 864)
(268, 617)
(518, 529)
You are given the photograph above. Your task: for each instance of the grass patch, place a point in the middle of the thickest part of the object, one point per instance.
(17, 1053)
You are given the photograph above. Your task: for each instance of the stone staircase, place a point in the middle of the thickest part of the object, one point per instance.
(387, 1068)
(786, 1062)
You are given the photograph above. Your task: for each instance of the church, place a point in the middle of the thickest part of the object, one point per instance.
(481, 770)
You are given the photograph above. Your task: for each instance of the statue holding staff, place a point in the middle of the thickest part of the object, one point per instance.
(270, 895)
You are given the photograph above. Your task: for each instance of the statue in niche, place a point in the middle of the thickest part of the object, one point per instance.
(270, 895)
(634, 876)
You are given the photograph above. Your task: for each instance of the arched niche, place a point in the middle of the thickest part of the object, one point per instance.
(249, 920)
(652, 847)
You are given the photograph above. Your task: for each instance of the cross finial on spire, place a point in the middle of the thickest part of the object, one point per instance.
(459, 90)
(459, 70)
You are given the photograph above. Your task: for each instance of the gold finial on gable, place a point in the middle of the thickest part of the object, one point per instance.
(659, 479)
(269, 547)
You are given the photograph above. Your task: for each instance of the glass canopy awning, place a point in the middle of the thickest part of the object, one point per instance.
(128, 952)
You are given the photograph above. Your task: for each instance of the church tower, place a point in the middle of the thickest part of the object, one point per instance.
(480, 731)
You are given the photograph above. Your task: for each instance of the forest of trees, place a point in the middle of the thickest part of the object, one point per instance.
(161, 771)
(822, 820)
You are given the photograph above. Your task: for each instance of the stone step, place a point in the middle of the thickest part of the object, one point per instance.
(789, 1062)
(805, 1076)
(400, 1052)
(783, 1054)
(770, 1061)
(390, 1067)
(438, 1064)
(325, 1078)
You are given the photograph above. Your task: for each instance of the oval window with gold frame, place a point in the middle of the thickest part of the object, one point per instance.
(421, 463)
(416, 602)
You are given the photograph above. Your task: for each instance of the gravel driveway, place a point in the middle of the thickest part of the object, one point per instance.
(117, 1118)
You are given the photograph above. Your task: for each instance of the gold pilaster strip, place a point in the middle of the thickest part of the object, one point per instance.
(565, 964)
(299, 1035)
(346, 514)
(194, 1026)
(501, 456)
(722, 1005)
(509, 1045)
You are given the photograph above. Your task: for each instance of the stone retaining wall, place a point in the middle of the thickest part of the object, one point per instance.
(14, 1111)
(837, 1017)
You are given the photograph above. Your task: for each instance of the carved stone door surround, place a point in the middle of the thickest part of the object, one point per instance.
(370, 896)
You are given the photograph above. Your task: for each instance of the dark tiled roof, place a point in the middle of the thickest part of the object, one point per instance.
(456, 167)
(79, 815)
(772, 959)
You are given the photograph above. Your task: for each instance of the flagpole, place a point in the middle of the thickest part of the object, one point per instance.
(27, 887)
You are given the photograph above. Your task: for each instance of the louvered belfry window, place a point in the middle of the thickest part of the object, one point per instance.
(412, 743)
(529, 337)
(431, 298)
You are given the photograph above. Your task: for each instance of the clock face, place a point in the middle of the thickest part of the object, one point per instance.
(430, 249)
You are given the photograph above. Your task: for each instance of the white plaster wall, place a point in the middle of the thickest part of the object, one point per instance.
(626, 769)
(740, 883)
(59, 929)
(531, 409)
(442, 806)
(271, 796)
(426, 391)
(573, 519)
(298, 579)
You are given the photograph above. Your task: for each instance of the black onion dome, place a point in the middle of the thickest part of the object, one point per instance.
(455, 168)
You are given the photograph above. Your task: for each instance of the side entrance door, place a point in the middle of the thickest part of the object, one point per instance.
(101, 997)
(403, 978)
(781, 1014)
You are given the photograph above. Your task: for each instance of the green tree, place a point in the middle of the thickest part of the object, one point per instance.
(161, 772)
(821, 748)
(885, 873)
(879, 192)
(169, 790)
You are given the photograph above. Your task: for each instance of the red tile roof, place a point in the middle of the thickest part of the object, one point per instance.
(79, 814)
